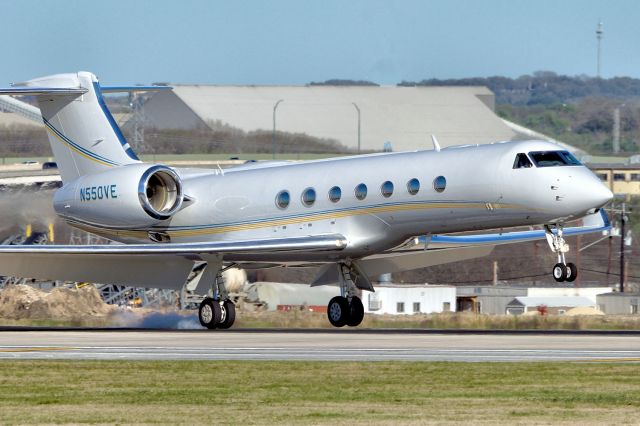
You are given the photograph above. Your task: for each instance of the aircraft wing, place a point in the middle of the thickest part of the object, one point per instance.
(433, 250)
(141, 265)
(596, 222)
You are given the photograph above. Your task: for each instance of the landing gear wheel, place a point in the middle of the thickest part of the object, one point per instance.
(559, 272)
(572, 272)
(356, 312)
(338, 311)
(228, 314)
(209, 313)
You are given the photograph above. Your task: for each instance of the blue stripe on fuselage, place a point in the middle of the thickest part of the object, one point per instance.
(112, 122)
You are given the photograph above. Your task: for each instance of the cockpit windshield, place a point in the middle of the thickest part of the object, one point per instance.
(553, 158)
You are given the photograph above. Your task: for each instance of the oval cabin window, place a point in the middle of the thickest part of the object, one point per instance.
(335, 194)
(309, 197)
(282, 199)
(361, 191)
(387, 189)
(413, 186)
(439, 183)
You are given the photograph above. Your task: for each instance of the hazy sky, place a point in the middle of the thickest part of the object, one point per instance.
(297, 41)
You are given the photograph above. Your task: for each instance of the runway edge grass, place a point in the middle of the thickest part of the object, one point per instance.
(265, 392)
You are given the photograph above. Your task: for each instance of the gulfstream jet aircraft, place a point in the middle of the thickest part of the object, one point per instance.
(357, 217)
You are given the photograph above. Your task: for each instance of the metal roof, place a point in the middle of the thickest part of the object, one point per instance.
(405, 116)
(618, 294)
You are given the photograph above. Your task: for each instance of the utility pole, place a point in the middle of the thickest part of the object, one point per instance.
(358, 109)
(599, 34)
(622, 234)
(273, 135)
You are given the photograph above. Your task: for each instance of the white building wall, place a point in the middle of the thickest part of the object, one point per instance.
(588, 292)
(431, 299)
(274, 294)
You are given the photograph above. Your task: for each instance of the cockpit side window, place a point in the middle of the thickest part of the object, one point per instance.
(522, 162)
(570, 159)
(553, 158)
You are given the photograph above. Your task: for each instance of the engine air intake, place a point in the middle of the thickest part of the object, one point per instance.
(160, 192)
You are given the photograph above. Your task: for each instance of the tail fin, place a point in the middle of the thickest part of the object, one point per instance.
(83, 135)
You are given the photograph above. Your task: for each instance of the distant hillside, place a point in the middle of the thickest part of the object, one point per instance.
(545, 87)
(577, 110)
(587, 123)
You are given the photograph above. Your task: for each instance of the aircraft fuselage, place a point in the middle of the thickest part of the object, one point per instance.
(458, 189)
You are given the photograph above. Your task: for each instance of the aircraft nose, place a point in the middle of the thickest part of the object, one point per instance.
(600, 195)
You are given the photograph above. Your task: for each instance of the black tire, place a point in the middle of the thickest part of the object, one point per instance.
(209, 313)
(338, 311)
(572, 272)
(559, 272)
(356, 312)
(228, 315)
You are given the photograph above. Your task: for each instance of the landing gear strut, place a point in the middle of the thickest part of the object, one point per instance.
(346, 309)
(562, 271)
(217, 311)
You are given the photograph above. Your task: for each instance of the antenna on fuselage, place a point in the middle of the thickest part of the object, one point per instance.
(436, 145)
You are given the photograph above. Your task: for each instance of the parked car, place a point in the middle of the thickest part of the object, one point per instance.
(49, 165)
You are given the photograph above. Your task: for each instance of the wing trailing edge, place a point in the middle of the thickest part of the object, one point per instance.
(142, 265)
(310, 243)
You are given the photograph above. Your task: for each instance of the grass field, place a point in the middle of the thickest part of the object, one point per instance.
(449, 321)
(266, 392)
(305, 319)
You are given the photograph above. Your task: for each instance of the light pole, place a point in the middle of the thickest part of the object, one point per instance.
(358, 109)
(273, 135)
(622, 223)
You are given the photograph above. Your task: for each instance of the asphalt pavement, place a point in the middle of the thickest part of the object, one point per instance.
(317, 345)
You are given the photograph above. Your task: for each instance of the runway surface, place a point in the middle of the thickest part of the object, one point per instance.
(326, 345)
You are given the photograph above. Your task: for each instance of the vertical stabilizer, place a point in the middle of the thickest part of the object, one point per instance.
(84, 136)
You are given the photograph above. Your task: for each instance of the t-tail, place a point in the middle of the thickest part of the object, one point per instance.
(84, 137)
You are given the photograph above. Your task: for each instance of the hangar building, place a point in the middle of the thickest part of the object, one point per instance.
(404, 116)
(619, 303)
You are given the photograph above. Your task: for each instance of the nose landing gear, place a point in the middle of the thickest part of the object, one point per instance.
(562, 271)
(346, 309)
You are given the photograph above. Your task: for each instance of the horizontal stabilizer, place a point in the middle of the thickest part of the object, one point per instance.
(118, 89)
(23, 91)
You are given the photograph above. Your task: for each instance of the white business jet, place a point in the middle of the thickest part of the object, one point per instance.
(357, 217)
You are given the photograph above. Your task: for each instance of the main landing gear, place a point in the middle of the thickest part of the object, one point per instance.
(346, 309)
(562, 271)
(217, 311)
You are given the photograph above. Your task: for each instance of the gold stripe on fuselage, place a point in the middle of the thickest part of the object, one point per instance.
(143, 234)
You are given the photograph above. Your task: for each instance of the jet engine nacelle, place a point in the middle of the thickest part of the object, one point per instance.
(131, 196)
